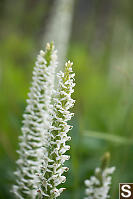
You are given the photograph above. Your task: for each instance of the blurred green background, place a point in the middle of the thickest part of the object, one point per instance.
(101, 47)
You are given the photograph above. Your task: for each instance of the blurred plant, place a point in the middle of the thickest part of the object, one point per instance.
(37, 120)
(99, 185)
(121, 60)
(121, 72)
(59, 27)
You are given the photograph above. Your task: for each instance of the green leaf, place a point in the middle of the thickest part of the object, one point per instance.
(108, 137)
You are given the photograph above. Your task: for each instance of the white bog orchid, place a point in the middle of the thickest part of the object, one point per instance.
(98, 186)
(42, 144)
(94, 188)
(51, 176)
(37, 121)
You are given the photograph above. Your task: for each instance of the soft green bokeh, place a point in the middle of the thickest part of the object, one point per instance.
(104, 104)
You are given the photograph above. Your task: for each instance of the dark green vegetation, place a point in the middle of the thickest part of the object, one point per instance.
(101, 49)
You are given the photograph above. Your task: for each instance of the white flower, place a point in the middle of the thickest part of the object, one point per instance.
(99, 185)
(62, 102)
(37, 121)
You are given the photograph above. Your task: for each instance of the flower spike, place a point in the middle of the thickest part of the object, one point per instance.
(37, 121)
(52, 176)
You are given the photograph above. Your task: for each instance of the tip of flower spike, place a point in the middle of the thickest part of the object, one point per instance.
(105, 160)
(107, 155)
(69, 63)
(68, 67)
(50, 46)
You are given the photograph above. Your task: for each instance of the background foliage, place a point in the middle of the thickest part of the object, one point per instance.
(101, 48)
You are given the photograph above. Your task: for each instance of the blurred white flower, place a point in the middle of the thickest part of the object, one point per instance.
(98, 186)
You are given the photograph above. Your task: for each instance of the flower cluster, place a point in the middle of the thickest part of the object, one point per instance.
(37, 121)
(51, 176)
(99, 185)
